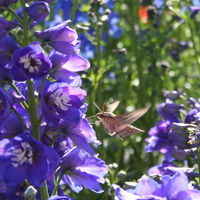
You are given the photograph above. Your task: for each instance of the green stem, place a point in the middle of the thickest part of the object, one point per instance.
(196, 57)
(15, 15)
(16, 38)
(44, 191)
(25, 24)
(74, 8)
(57, 182)
(33, 110)
(136, 50)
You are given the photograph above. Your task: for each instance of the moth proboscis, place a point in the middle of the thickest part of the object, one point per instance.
(119, 124)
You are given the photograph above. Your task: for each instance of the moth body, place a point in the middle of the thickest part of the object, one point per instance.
(119, 124)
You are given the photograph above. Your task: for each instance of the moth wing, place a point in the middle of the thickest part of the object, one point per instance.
(129, 130)
(112, 107)
(129, 118)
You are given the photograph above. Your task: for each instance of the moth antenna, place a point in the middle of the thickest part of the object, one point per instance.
(97, 106)
(103, 107)
(119, 137)
(91, 117)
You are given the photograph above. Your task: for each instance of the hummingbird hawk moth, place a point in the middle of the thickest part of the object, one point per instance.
(119, 124)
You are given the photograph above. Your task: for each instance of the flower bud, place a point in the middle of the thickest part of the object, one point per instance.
(38, 11)
(182, 128)
(179, 154)
(30, 192)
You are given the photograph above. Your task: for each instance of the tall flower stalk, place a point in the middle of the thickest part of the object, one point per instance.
(42, 127)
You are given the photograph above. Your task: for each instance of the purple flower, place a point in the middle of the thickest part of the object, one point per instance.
(4, 75)
(6, 3)
(172, 187)
(81, 133)
(24, 157)
(62, 144)
(5, 26)
(15, 191)
(170, 136)
(80, 169)
(38, 11)
(7, 46)
(191, 115)
(65, 66)
(194, 10)
(61, 38)
(60, 101)
(30, 62)
(159, 137)
(170, 111)
(160, 169)
(57, 197)
(5, 105)
(11, 127)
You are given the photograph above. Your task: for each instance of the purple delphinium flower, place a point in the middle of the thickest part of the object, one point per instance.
(159, 139)
(20, 14)
(194, 10)
(160, 169)
(7, 46)
(172, 187)
(65, 66)
(81, 133)
(6, 104)
(15, 191)
(165, 136)
(6, 3)
(61, 38)
(4, 76)
(176, 136)
(5, 26)
(24, 157)
(38, 11)
(58, 197)
(29, 62)
(170, 110)
(80, 169)
(60, 101)
(11, 127)
(62, 144)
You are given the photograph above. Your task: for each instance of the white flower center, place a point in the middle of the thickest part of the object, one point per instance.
(31, 63)
(22, 155)
(61, 99)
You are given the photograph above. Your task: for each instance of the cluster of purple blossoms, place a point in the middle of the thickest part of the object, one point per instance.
(176, 135)
(44, 137)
